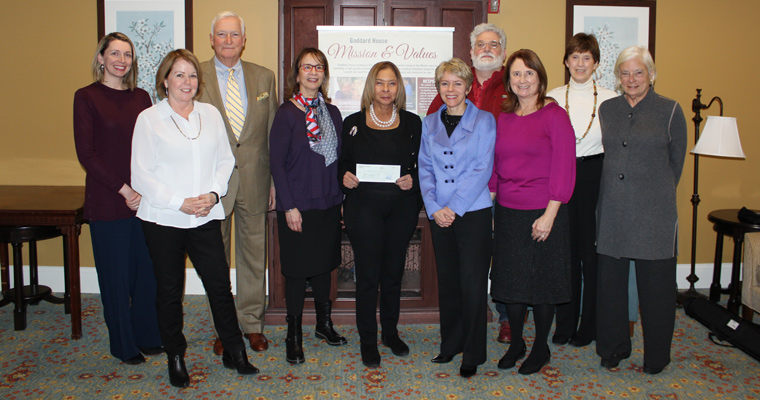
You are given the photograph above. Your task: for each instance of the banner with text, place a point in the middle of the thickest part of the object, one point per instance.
(353, 50)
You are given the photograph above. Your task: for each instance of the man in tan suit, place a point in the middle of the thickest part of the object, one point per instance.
(246, 96)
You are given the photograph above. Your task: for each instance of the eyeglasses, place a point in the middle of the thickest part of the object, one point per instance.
(638, 74)
(492, 44)
(309, 67)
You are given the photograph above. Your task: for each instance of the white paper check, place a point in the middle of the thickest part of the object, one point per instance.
(378, 173)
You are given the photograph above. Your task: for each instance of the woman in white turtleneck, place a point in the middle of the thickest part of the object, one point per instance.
(581, 98)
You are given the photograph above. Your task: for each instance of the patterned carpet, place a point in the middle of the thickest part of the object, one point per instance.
(42, 362)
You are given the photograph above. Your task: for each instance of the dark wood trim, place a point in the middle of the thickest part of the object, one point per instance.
(570, 13)
(101, 11)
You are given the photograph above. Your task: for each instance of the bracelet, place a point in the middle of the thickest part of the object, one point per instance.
(287, 211)
(216, 196)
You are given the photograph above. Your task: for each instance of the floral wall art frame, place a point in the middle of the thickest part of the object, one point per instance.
(156, 27)
(617, 24)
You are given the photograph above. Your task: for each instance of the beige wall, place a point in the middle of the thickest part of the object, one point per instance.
(47, 47)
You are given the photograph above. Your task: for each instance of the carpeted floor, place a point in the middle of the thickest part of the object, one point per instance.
(42, 362)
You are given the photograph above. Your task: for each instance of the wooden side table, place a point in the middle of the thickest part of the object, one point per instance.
(61, 207)
(727, 222)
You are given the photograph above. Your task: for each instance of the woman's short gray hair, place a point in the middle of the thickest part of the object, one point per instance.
(486, 27)
(630, 53)
(227, 14)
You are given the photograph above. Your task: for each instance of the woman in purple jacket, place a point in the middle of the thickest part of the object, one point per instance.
(304, 147)
(104, 118)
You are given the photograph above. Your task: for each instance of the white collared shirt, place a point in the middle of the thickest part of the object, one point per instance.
(167, 167)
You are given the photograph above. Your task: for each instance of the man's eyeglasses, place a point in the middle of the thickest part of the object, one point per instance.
(492, 44)
(309, 67)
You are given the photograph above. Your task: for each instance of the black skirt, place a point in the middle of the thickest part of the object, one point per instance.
(525, 271)
(315, 250)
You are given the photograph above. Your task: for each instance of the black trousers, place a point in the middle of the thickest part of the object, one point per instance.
(168, 247)
(463, 257)
(656, 284)
(379, 227)
(584, 261)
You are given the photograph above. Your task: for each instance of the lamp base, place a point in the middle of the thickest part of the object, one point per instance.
(683, 297)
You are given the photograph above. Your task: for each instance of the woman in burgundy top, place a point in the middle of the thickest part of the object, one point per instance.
(104, 118)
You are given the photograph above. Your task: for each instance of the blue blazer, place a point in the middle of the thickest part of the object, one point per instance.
(454, 171)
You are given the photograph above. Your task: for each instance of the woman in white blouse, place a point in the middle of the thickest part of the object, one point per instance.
(581, 98)
(181, 162)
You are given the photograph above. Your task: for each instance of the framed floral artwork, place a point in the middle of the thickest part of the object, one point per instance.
(156, 27)
(617, 24)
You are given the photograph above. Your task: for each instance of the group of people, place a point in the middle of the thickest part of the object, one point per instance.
(552, 193)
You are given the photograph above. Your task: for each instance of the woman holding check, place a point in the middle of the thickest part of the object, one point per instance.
(380, 217)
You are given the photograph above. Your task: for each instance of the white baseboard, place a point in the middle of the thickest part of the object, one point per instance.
(53, 277)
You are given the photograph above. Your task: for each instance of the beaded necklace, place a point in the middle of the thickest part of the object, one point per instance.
(376, 120)
(593, 111)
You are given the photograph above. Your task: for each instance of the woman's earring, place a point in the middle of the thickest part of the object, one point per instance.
(509, 88)
(102, 67)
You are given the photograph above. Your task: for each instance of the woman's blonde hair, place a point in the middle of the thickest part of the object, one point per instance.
(130, 78)
(368, 96)
(455, 67)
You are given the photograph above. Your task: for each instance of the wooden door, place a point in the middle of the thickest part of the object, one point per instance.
(298, 30)
(299, 20)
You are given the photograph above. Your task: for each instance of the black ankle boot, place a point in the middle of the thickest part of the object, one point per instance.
(324, 329)
(294, 340)
(238, 360)
(178, 376)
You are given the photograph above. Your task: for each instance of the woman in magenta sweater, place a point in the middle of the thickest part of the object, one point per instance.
(104, 118)
(533, 178)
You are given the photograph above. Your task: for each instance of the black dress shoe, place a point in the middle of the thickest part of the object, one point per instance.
(152, 351)
(652, 371)
(533, 365)
(614, 360)
(397, 346)
(370, 355)
(441, 359)
(579, 341)
(509, 360)
(177, 372)
(239, 361)
(559, 339)
(138, 359)
(467, 371)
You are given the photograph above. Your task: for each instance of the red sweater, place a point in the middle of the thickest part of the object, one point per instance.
(487, 97)
(104, 120)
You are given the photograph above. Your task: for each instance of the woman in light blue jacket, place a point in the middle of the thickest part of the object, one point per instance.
(455, 164)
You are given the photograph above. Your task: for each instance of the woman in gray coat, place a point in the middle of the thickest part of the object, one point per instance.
(644, 138)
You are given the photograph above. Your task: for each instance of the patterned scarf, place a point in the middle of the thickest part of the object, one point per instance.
(319, 127)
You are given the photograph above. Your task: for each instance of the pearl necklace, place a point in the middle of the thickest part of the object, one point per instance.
(200, 127)
(382, 124)
(593, 111)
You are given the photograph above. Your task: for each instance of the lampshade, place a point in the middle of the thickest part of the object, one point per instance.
(719, 138)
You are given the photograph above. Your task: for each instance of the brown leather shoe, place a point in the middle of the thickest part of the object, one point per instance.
(505, 333)
(218, 348)
(258, 341)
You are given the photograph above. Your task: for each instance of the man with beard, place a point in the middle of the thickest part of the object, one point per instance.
(489, 43)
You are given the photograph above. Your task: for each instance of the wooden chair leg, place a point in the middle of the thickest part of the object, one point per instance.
(747, 313)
